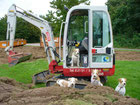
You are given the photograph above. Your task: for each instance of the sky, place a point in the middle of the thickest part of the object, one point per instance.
(38, 7)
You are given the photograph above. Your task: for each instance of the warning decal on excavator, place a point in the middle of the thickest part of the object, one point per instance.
(48, 36)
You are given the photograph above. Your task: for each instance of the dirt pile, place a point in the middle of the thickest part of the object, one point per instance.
(7, 87)
(37, 53)
(3, 57)
(12, 82)
(55, 95)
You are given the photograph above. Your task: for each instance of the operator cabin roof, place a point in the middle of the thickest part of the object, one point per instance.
(101, 8)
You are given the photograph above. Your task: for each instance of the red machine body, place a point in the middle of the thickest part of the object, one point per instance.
(79, 72)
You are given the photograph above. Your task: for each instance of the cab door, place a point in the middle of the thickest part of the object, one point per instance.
(76, 37)
(101, 55)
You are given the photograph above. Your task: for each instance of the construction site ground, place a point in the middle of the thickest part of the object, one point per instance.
(15, 93)
(38, 52)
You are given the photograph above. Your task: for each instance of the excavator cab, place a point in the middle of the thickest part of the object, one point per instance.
(88, 29)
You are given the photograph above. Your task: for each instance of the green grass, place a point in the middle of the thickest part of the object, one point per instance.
(125, 49)
(23, 72)
(131, 71)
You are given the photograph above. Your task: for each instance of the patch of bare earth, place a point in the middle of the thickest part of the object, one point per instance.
(127, 55)
(37, 53)
(3, 57)
(13, 94)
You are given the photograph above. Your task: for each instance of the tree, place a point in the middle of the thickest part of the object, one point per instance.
(57, 17)
(125, 15)
(27, 31)
(3, 29)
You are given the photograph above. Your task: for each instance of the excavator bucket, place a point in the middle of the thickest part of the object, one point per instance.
(41, 77)
(15, 58)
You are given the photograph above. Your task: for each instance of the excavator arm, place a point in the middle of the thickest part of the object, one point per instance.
(46, 31)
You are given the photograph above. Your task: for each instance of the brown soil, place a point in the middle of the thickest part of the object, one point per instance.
(127, 55)
(3, 57)
(13, 94)
(38, 52)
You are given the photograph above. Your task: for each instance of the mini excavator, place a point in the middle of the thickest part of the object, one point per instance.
(87, 28)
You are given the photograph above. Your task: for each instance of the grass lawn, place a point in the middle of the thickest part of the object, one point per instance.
(125, 49)
(127, 69)
(23, 72)
(131, 71)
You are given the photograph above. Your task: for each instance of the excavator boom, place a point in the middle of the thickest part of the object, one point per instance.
(46, 31)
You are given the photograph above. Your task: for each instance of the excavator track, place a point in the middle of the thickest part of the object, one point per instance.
(50, 80)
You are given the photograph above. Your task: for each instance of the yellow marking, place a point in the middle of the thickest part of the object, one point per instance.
(77, 44)
(41, 27)
(107, 58)
(105, 69)
(11, 11)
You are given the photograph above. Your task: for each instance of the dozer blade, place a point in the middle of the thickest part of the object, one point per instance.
(17, 58)
(77, 85)
(50, 80)
(41, 77)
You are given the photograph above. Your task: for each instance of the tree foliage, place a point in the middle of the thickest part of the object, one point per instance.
(24, 30)
(125, 16)
(3, 26)
(27, 31)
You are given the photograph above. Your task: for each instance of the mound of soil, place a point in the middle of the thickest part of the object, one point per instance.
(3, 57)
(37, 53)
(12, 82)
(55, 95)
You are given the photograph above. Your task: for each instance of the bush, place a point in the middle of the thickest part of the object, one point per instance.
(126, 42)
(136, 40)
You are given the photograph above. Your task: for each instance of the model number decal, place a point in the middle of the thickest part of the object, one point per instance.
(79, 70)
(84, 70)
